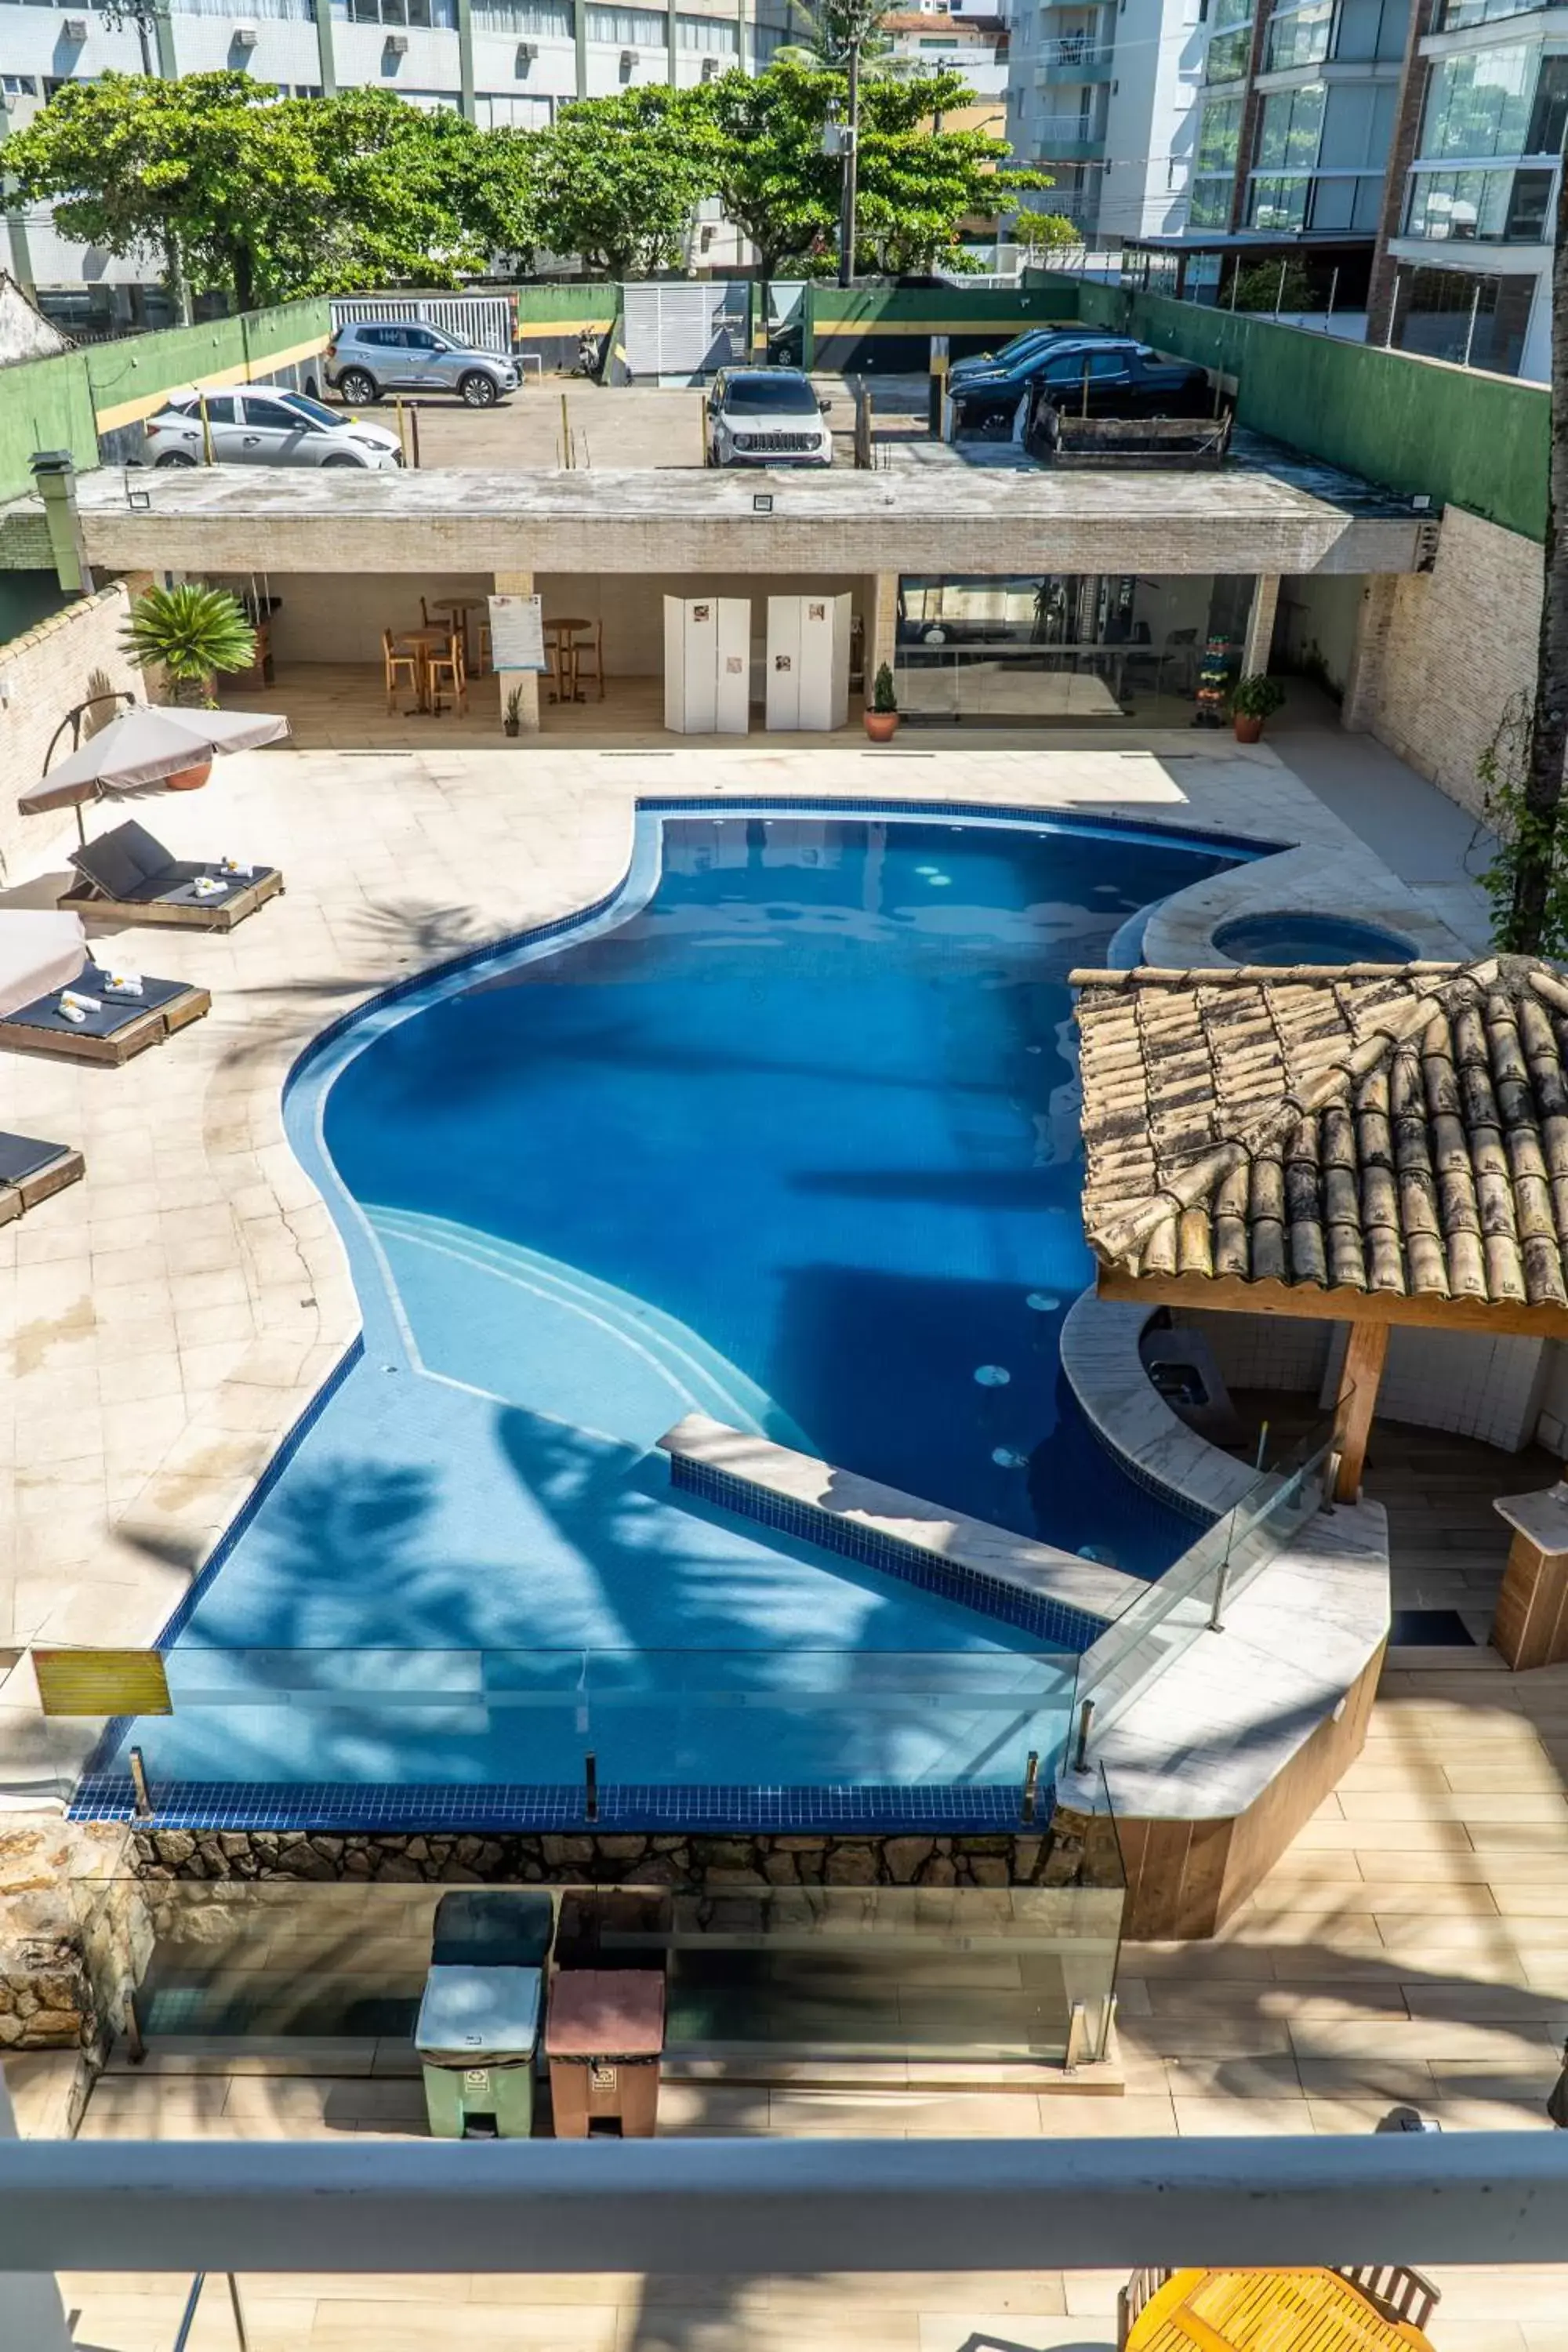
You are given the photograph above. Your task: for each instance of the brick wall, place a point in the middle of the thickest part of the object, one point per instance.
(1457, 646)
(46, 672)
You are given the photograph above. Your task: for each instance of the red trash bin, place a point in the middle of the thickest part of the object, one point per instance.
(603, 2039)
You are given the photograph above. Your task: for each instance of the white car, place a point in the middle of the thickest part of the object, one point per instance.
(766, 417)
(265, 424)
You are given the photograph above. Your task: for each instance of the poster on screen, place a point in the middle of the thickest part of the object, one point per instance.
(517, 632)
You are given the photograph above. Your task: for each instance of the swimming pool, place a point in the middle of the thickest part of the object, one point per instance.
(788, 1135)
(1299, 937)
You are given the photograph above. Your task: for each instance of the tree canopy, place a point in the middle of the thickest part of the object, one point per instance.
(259, 197)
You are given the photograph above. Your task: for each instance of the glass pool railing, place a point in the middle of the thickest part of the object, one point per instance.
(1192, 1597)
(875, 1972)
(568, 1736)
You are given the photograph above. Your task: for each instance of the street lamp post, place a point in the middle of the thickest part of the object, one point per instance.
(848, 189)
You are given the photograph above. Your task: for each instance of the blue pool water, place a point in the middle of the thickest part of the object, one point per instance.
(793, 1142)
(1294, 937)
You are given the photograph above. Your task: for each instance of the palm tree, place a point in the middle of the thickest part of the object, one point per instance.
(191, 634)
(835, 28)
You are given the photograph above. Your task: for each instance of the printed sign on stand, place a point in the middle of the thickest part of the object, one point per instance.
(517, 633)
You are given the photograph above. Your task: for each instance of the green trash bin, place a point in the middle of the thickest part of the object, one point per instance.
(476, 2034)
(493, 1927)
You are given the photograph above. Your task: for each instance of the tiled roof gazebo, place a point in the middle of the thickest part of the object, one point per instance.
(1366, 1144)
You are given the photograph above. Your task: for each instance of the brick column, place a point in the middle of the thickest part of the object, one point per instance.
(1260, 624)
(519, 583)
(1364, 687)
(1403, 146)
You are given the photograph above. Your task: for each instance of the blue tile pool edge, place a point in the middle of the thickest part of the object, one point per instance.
(345, 1808)
(1056, 1622)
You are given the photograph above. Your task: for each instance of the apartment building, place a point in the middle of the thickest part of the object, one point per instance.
(497, 61)
(1105, 97)
(1464, 267)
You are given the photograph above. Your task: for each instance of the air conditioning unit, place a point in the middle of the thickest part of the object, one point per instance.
(628, 60)
(396, 44)
(74, 28)
(244, 36)
(526, 52)
(710, 69)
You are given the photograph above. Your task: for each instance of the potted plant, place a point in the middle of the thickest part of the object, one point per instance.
(512, 718)
(191, 635)
(1251, 701)
(882, 718)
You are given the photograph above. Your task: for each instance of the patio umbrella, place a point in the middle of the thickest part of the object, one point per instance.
(38, 953)
(147, 743)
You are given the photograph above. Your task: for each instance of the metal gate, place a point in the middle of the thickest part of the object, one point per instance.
(678, 333)
(482, 321)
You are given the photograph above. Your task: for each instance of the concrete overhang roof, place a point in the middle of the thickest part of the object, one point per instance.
(945, 517)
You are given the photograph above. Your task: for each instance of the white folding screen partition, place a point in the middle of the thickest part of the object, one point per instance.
(707, 665)
(808, 663)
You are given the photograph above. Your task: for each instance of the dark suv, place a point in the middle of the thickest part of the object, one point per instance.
(1103, 378)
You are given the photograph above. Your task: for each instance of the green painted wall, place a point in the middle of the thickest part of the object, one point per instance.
(54, 404)
(557, 310)
(1480, 441)
(141, 365)
(867, 327)
(44, 404)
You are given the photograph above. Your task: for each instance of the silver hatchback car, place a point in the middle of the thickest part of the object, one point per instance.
(372, 356)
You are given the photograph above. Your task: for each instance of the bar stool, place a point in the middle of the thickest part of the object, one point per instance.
(398, 654)
(591, 650)
(449, 664)
(563, 668)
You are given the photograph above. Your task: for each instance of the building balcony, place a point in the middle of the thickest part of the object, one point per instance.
(1073, 61)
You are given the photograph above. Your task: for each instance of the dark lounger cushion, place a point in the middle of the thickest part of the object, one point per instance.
(119, 862)
(22, 1157)
(115, 1013)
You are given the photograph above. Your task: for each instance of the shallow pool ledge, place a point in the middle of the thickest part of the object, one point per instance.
(1065, 1601)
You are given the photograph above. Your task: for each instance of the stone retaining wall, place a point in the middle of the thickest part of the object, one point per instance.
(686, 1864)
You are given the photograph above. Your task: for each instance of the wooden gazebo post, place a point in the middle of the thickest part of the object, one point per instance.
(1360, 1378)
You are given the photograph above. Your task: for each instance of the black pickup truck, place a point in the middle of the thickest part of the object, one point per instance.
(1098, 377)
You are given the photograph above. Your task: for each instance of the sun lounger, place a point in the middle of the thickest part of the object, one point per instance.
(116, 1028)
(128, 873)
(30, 1172)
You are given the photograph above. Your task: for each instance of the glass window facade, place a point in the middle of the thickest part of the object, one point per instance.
(1060, 646)
(1230, 40)
(1510, 101)
(1320, 153)
(715, 36)
(551, 18)
(1460, 315)
(626, 27)
(440, 14)
(1300, 37)
(1495, 208)
(1215, 160)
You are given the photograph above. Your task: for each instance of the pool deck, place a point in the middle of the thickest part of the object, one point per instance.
(165, 1322)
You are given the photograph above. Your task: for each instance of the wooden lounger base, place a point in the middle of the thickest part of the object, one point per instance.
(137, 912)
(147, 1029)
(68, 1168)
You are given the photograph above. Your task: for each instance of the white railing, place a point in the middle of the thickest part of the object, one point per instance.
(480, 321)
(784, 2207)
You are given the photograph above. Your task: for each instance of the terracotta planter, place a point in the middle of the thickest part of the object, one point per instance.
(881, 726)
(189, 780)
(1247, 730)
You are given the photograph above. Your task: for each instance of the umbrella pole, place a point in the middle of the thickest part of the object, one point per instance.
(81, 828)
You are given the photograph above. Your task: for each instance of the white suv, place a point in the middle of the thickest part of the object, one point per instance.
(265, 424)
(766, 417)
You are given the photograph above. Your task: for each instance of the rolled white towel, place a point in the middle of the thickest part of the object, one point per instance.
(122, 983)
(76, 1007)
(207, 885)
(232, 867)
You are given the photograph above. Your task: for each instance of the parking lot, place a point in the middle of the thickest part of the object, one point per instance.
(633, 425)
